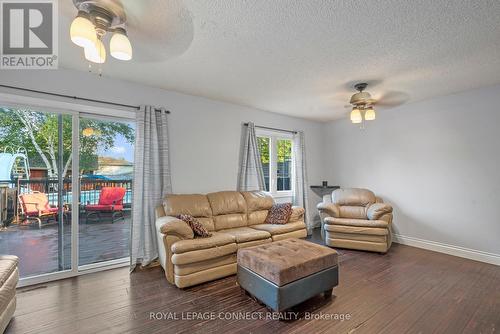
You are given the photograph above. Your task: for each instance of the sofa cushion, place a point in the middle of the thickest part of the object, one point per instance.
(257, 200)
(230, 221)
(285, 261)
(297, 214)
(279, 213)
(356, 222)
(194, 205)
(280, 229)
(227, 202)
(257, 217)
(245, 234)
(355, 212)
(353, 197)
(198, 229)
(188, 245)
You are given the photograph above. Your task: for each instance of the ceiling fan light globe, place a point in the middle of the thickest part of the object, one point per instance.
(82, 31)
(95, 53)
(356, 116)
(370, 114)
(120, 47)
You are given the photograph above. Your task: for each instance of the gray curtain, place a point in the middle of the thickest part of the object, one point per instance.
(250, 173)
(301, 186)
(151, 182)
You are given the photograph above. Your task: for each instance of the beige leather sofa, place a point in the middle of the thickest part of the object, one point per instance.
(235, 219)
(357, 219)
(9, 276)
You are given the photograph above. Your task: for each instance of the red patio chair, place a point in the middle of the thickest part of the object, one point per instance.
(35, 205)
(110, 201)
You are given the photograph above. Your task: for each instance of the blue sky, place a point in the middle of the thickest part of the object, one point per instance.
(121, 148)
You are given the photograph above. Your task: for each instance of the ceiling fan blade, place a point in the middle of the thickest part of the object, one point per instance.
(168, 33)
(392, 99)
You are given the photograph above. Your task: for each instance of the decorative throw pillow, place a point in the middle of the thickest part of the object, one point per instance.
(198, 229)
(279, 213)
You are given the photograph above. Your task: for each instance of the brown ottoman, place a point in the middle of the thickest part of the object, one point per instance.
(285, 273)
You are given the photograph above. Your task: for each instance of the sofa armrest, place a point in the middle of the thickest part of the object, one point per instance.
(329, 209)
(297, 214)
(377, 210)
(172, 226)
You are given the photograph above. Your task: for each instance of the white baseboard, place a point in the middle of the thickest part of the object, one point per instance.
(467, 253)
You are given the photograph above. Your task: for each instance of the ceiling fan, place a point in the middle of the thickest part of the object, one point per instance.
(158, 30)
(363, 103)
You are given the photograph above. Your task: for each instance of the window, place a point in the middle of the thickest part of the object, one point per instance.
(276, 157)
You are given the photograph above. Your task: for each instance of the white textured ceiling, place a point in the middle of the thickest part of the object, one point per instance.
(301, 58)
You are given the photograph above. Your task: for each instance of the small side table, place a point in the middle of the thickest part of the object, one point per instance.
(322, 190)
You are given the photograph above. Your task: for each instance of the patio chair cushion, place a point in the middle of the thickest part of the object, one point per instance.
(111, 195)
(33, 202)
(100, 207)
(44, 212)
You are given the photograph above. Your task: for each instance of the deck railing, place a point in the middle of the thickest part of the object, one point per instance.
(89, 189)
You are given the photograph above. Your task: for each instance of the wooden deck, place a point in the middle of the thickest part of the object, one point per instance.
(408, 290)
(38, 248)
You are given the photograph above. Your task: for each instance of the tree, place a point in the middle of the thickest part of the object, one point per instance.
(284, 147)
(37, 132)
(263, 143)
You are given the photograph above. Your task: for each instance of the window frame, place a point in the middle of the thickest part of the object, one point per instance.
(274, 136)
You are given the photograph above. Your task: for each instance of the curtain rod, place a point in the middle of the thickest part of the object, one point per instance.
(275, 129)
(76, 97)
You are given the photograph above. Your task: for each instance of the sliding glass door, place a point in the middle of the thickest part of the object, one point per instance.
(105, 171)
(58, 219)
(36, 189)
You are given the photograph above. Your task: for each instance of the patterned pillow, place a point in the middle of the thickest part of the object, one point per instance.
(198, 229)
(279, 214)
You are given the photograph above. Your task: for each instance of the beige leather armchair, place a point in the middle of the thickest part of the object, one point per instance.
(355, 218)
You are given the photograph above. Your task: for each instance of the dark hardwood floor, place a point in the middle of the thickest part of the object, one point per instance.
(408, 290)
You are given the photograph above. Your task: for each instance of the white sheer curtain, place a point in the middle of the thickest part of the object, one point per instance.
(151, 182)
(301, 186)
(250, 172)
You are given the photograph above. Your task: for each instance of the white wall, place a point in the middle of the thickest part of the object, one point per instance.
(437, 162)
(204, 134)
